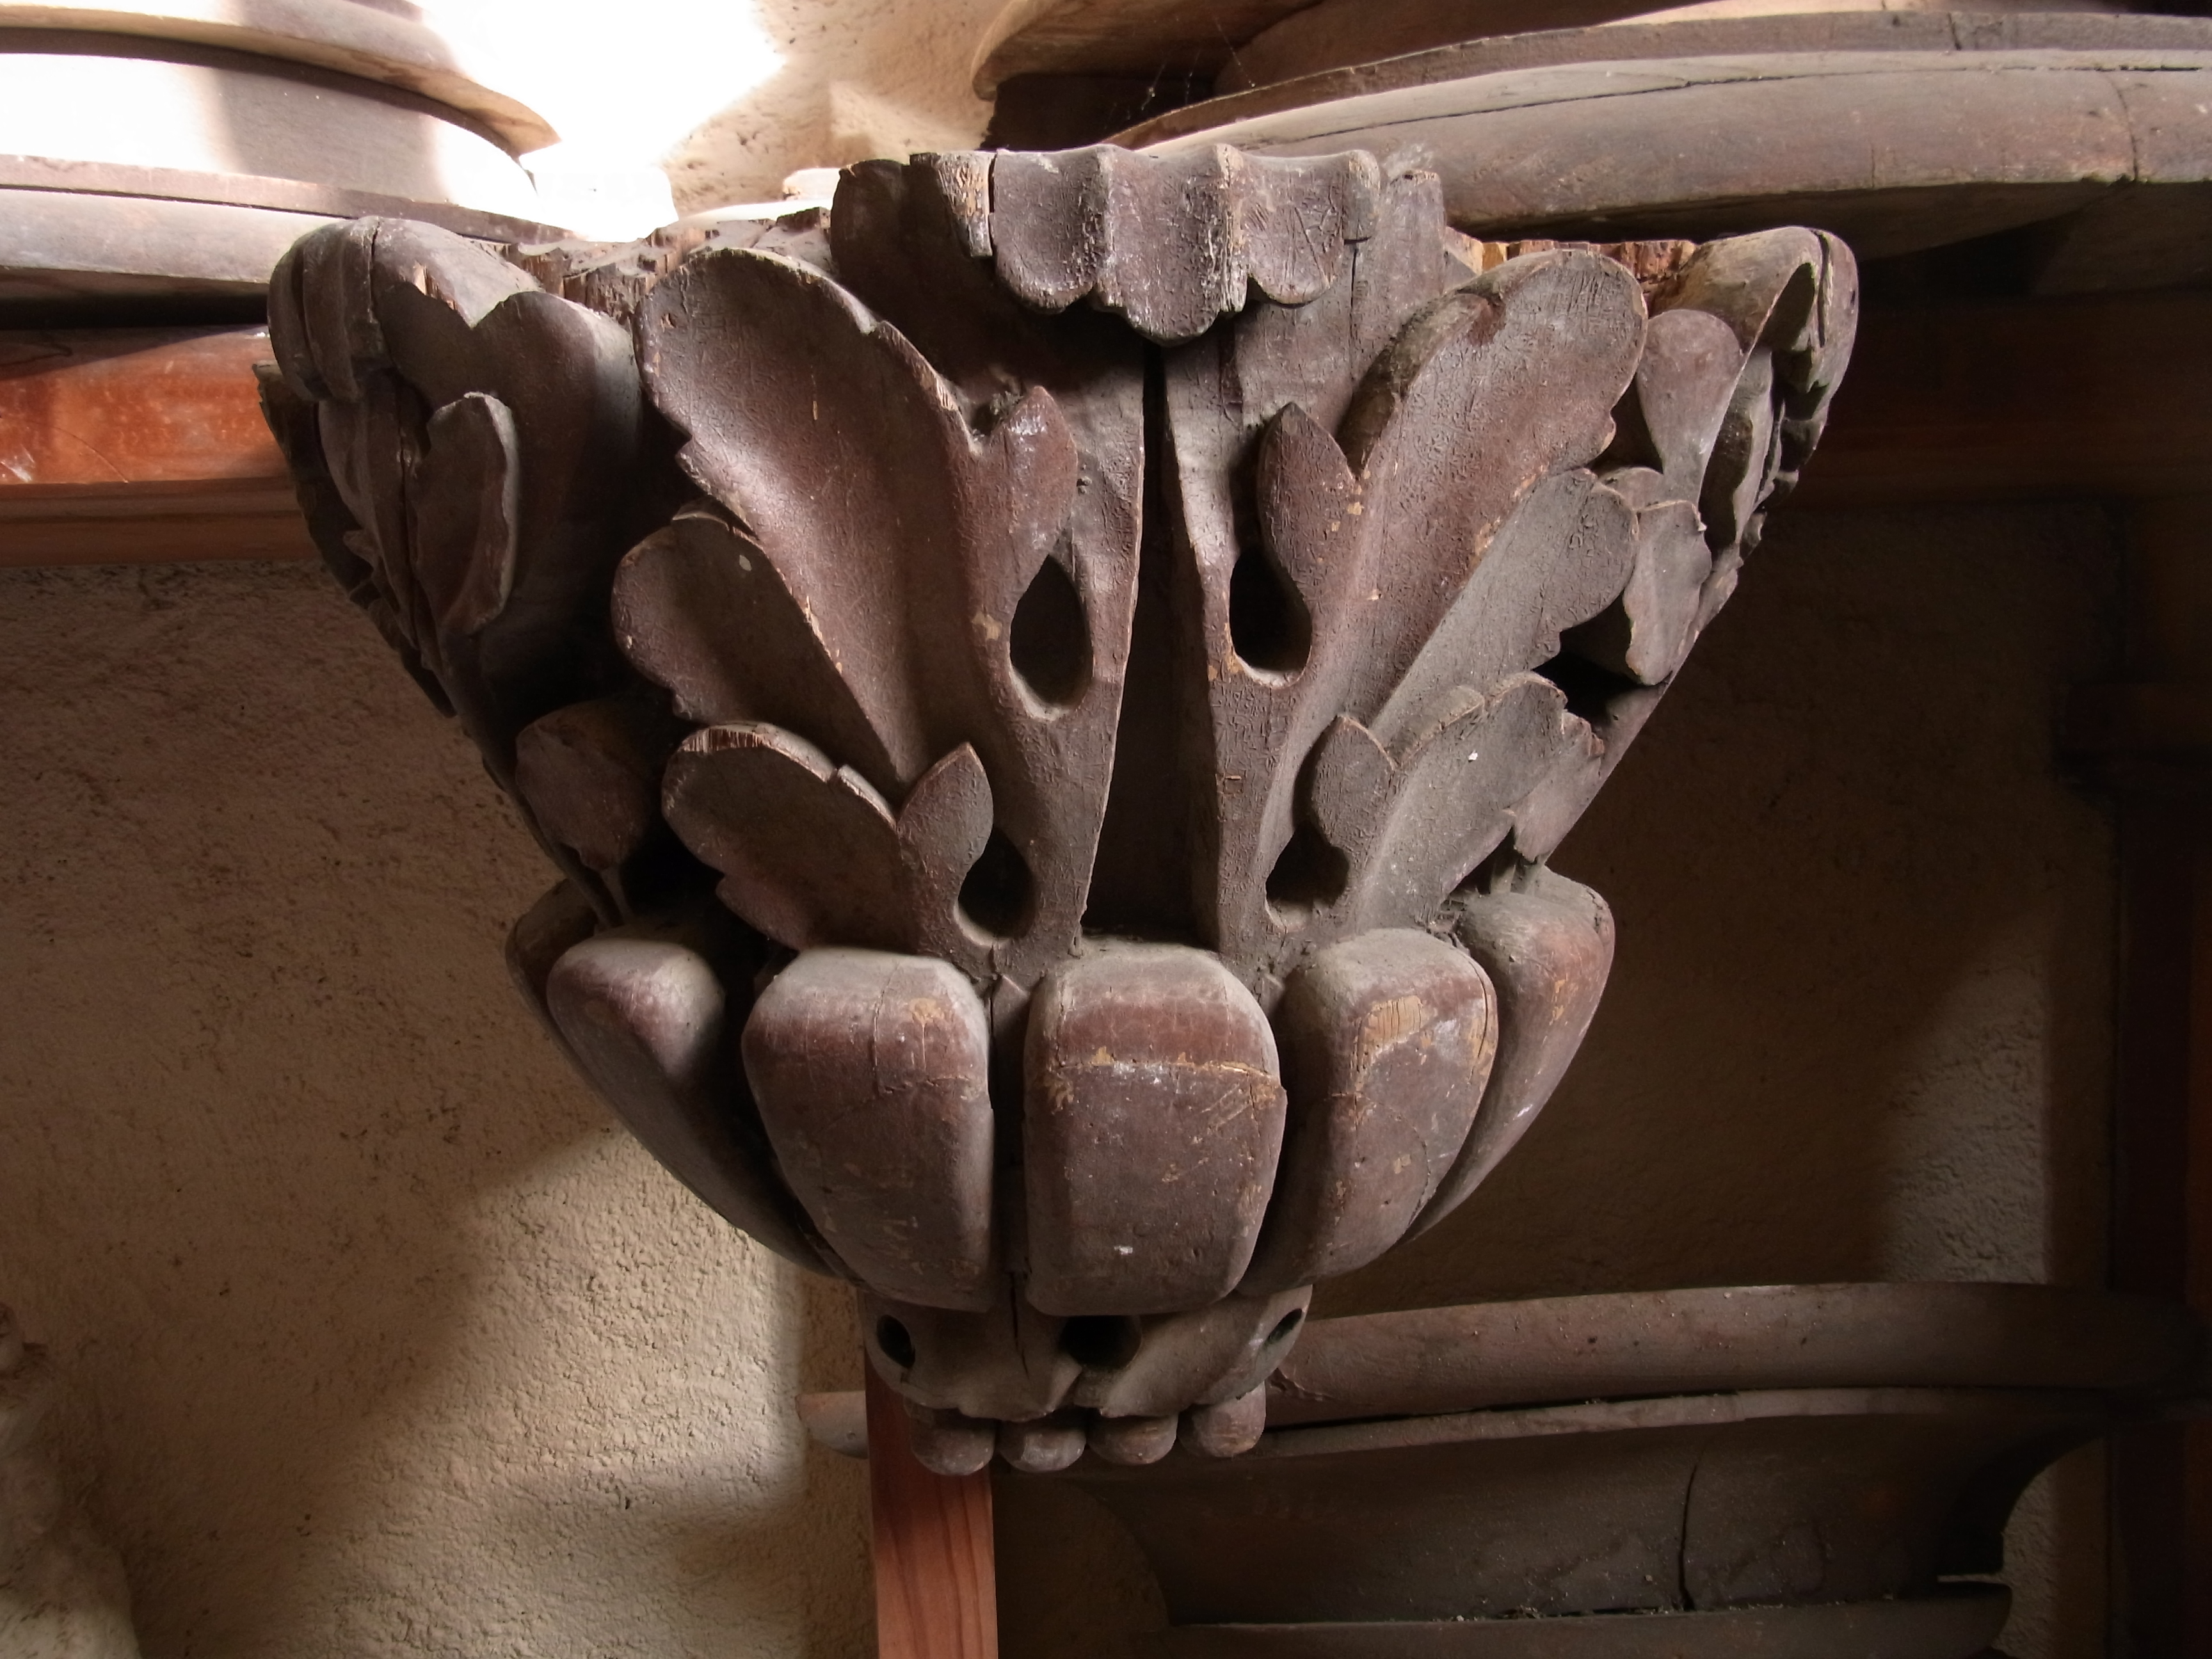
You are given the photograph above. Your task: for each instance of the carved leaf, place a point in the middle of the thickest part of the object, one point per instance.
(913, 534)
(1368, 546)
(1172, 242)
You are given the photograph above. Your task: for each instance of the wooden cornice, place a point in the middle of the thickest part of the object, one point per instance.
(140, 447)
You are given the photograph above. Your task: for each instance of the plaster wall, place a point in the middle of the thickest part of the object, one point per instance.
(386, 1342)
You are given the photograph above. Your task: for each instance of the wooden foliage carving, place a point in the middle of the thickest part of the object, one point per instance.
(1053, 693)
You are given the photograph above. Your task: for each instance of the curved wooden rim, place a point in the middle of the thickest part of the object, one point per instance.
(1629, 43)
(345, 36)
(1970, 143)
(1434, 1361)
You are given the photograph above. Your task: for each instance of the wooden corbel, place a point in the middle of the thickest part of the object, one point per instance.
(1052, 692)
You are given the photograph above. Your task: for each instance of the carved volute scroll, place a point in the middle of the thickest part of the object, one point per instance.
(1054, 694)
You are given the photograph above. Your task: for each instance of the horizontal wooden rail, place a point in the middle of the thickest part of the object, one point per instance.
(147, 447)
(139, 446)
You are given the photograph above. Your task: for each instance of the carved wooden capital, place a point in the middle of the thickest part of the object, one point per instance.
(1053, 692)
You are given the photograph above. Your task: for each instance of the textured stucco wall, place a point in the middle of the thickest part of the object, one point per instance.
(387, 1343)
(383, 1339)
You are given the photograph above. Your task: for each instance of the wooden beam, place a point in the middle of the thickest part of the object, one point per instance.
(936, 1576)
(138, 445)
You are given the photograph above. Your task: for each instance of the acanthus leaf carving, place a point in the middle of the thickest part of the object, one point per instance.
(1111, 643)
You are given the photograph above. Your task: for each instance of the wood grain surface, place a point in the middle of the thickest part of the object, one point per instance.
(129, 446)
(936, 1579)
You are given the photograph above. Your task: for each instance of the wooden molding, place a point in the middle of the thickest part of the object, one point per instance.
(140, 446)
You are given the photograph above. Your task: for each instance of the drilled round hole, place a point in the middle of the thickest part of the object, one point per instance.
(897, 1342)
(1101, 1342)
(1049, 643)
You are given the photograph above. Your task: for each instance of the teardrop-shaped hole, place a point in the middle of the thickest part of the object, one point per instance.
(1310, 873)
(998, 894)
(897, 1342)
(1101, 1342)
(1269, 622)
(1050, 641)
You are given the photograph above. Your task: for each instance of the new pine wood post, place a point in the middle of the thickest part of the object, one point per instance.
(936, 1577)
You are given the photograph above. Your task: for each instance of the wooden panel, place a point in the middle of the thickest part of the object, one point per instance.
(2021, 399)
(136, 446)
(936, 1579)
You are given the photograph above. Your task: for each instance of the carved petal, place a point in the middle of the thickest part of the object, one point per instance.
(873, 1073)
(1547, 946)
(700, 609)
(1152, 1116)
(1485, 394)
(1413, 832)
(1561, 559)
(1387, 1042)
(648, 1023)
(808, 851)
(909, 531)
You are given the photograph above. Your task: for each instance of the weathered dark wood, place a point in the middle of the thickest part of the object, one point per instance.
(1364, 545)
(936, 1577)
(1437, 1360)
(648, 1021)
(1009, 1364)
(1129, 596)
(370, 43)
(1546, 944)
(1219, 1353)
(1228, 1430)
(1955, 1626)
(1621, 1507)
(1151, 1117)
(872, 1073)
(591, 775)
(1174, 243)
(916, 565)
(1344, 47)
(1656, 148)
(1387, 1046)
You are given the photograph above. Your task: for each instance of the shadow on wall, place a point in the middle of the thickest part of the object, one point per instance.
(1858, 1028)
(387, 1339)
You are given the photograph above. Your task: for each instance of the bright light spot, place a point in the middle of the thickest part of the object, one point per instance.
(621, 87)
